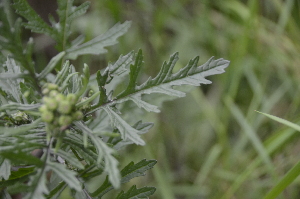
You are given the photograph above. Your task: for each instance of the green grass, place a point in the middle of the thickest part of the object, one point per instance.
(213, 144)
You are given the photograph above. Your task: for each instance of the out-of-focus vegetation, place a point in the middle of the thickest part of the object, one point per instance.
(213, 144)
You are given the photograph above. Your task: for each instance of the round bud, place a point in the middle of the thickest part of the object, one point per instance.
(52, 86)
(50, 103)
(45, 91)
(64, 107)
(64, 120)
(53, 93)
(26, 94)
(91, 92)
(43, 108)
(77, 115)
(47, 116)
(59, 97)
(72, 98)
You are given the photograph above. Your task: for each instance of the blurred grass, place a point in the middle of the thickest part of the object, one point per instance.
(212, 144)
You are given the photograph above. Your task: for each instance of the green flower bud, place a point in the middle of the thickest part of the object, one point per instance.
(52, 86)
(91, 92)
(65, 120)
(53, 93)
(72, 98)
(45, 91)
(26, 94)
(43, 108)
(64, 107)
(60, 97)
(50, 103)
(77, 115)
(47, 116)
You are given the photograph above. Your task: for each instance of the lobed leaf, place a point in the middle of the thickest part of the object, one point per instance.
(11, 41)
(104, 152)
(65, 174)
(129, 172)
(5, 169)
(70, 158)
(21, 158)
(134, 193)
(67, 13)
(38, 183)
(163, 83)
(13, 131)
(127, 131)
(51, 65)
(11, 85)
(35, 22)
(18, 106)
(21, 172)
(97, 45)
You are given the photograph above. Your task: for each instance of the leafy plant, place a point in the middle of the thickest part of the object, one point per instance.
(60, 128)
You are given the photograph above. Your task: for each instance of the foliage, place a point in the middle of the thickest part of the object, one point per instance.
(54, 128)
(226, 149)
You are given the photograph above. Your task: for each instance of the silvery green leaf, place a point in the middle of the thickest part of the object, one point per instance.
(5, 169)
(35, 22)
(88, 100)
(119, 70)
(141, 127)
(67, 13)
(11, 85)
(121, 65)
(70, 158)
(38, 183)
(17, 106)
(97, 45)
(65, 174)
(104, 152)
(63, 73)
(51, 65)
(128, 172)
(127, 131)
(13, 131)
(191, 74)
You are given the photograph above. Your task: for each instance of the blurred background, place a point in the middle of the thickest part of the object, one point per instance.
(210, 144)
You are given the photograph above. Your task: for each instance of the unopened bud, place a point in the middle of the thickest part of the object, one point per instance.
(77, 115)
(47, 116)
(72, 98)
(64, 107)
(45, 91)
(50, 103)
(64, 120)
(53, 93)
(59, 97)
(52, 86)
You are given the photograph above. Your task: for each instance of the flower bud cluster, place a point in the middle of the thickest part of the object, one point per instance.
(59, 110)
